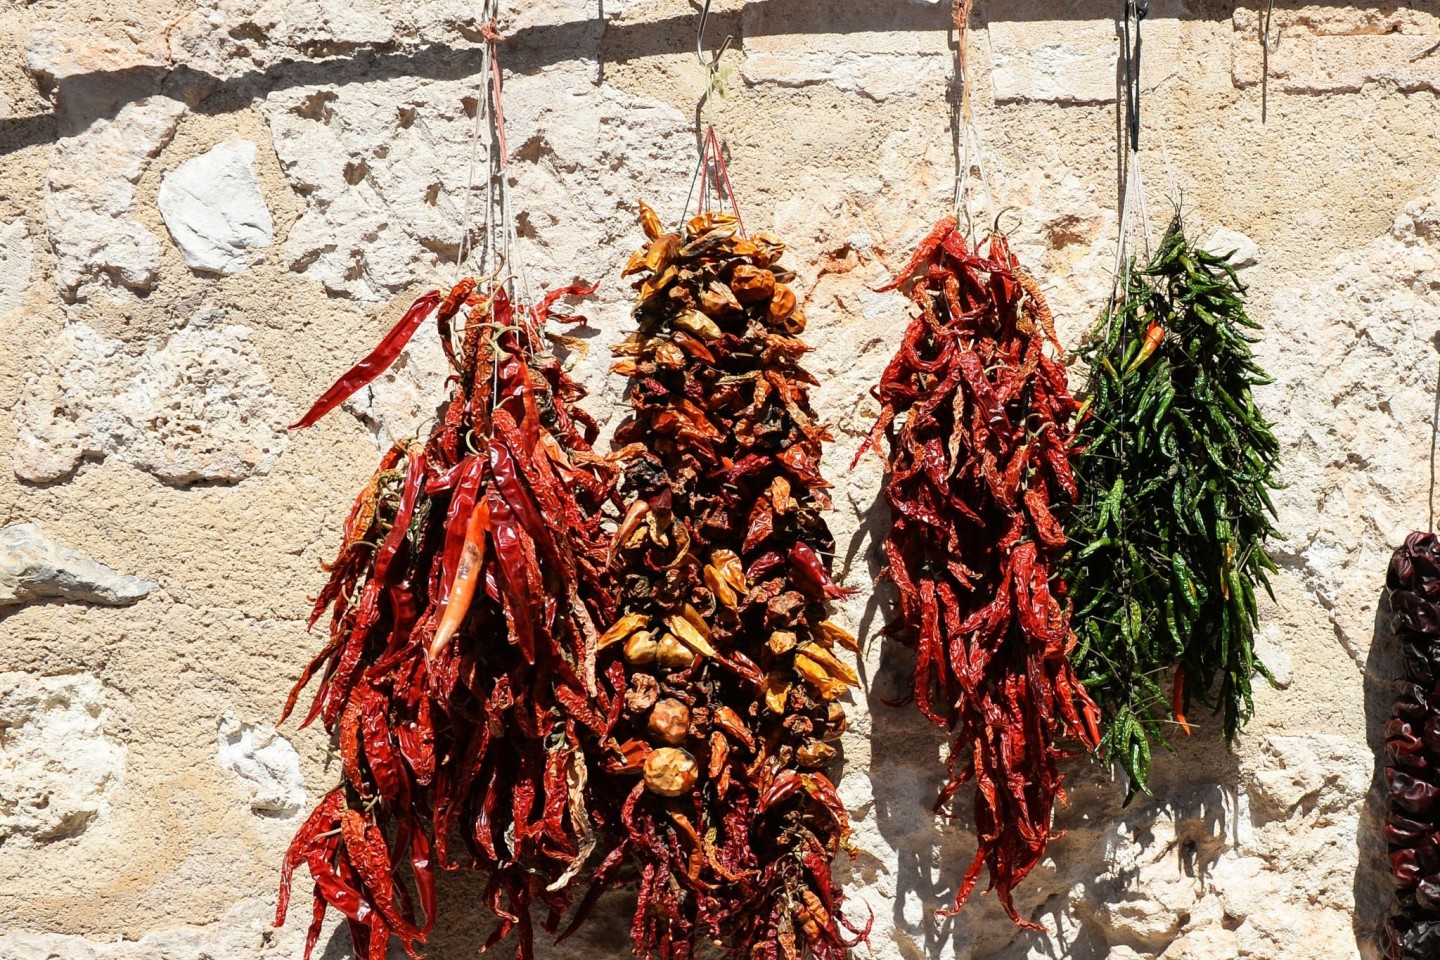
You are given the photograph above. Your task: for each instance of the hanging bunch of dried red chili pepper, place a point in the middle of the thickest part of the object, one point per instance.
(976, 418)
(466, 607)
(459, 679)
(727, 671)
(1412, 743)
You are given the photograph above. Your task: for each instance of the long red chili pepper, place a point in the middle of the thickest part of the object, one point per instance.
(721, 662)
(376, 363)
(460, 677)
(975, 418)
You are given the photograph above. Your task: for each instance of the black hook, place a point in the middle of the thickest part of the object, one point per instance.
(1132, 69)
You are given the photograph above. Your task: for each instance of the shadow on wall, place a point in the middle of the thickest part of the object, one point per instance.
(465, 922)
(924, 853)
(87, 97)
(1374, 897)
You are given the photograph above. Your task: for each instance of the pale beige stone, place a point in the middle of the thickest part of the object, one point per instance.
(199, 408)
(58, 760)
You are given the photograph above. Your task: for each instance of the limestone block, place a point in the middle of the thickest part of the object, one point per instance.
(1314, 771)
(33, 566)
(58, 761)
(266, 762)
(1056, 61)
(1361, 396)
(383, 167)
(213, 208)
(225, 37)
(1242, 251)
(17, 263)
(110, 132)
(1317, 50)
(892, 59)
(243, 933)
(199, 408)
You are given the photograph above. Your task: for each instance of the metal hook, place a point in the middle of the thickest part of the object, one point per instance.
(714, 63)
(1019, 219)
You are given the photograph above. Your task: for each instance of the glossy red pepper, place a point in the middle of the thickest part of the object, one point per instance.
(375, 363)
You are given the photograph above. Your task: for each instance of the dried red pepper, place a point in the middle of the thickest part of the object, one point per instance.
(1412, 744)
(976, 420)
(725, 667)
(460, 678)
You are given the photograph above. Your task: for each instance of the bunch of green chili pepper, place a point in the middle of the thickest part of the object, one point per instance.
(1175, 472)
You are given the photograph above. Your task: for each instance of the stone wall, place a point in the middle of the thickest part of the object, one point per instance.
(208, 210)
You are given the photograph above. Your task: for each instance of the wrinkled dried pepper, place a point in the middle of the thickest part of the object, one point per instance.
(1412, 745)
(460, 679)
(1176, 463)
(975, 423)
(725, 667)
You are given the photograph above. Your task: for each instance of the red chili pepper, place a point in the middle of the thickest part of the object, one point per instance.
(467, 575)
(375, 363)
(812, 572)
(1154, 335)
(453, 674)
(1177, 700)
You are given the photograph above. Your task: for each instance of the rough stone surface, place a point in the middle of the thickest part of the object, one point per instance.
(17, 264)
(200, 408)
(107, 140)
(1319, 50)
(1361, 397)
(879, 61)
(141, 402)
(35, 567)
(58, 761)
(242, 933)
(214, 210)
(266, 762)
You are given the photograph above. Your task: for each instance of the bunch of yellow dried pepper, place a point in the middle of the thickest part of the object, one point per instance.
(733, 669)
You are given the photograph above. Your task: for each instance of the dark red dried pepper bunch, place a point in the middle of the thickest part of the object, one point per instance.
(459, 679)
(1412, 743)
(978, 422)
(726, 669)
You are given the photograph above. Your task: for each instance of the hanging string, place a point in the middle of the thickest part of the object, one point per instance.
(1132, 187)
(462, 254)
(1267, 46)
(499, 237)
(969, 153)
(712, 176)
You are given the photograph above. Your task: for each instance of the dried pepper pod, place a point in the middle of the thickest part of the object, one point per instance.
(726, 669)
(975, 424)
(1176, 466)
(459, 679)
(1412, 745)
